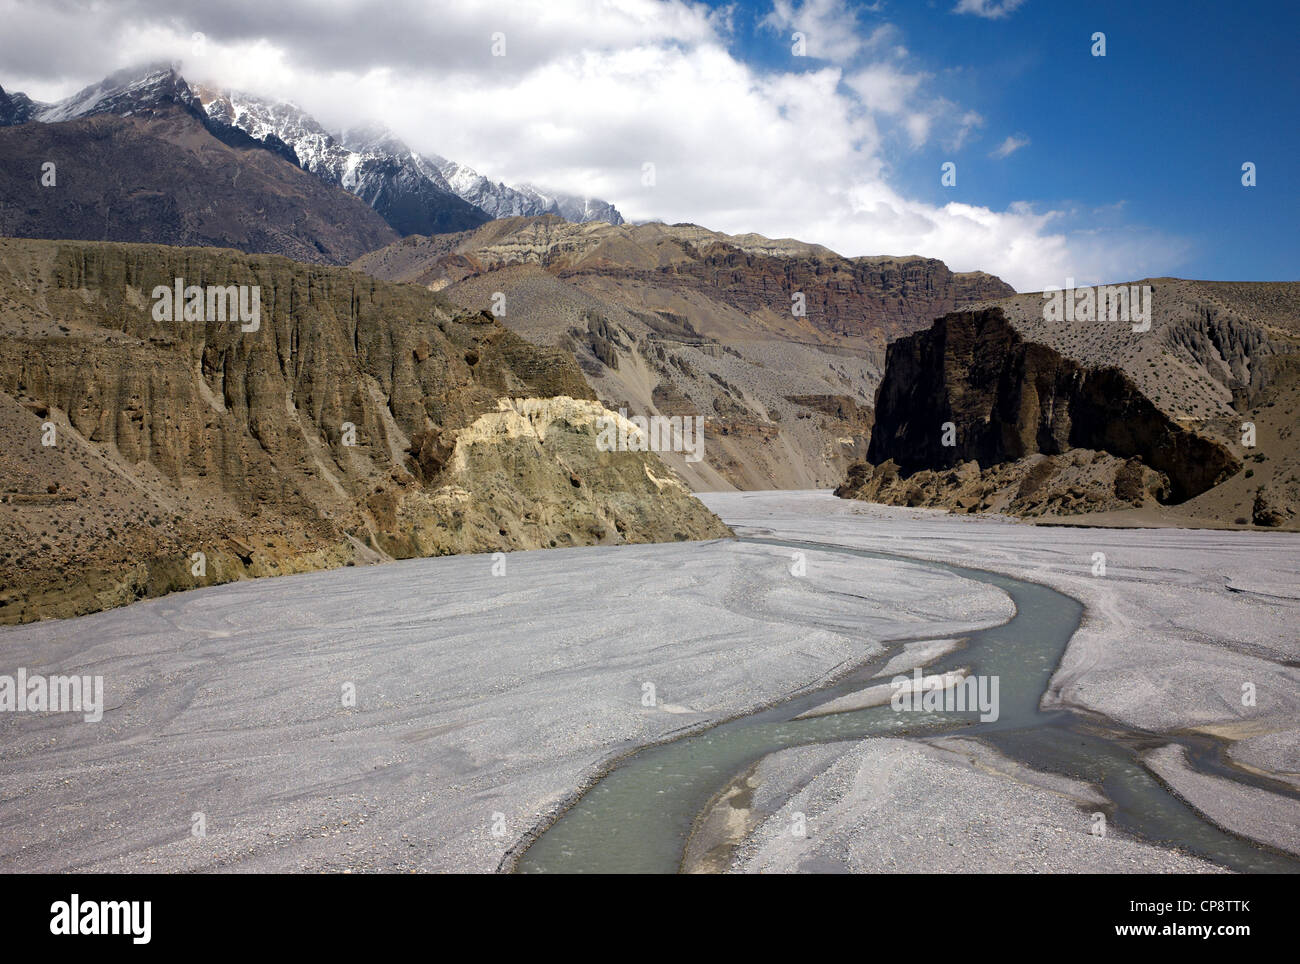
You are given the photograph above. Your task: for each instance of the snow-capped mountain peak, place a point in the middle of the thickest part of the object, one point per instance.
(366, 159)
(130, 92)
(414, 193)
(503, 201)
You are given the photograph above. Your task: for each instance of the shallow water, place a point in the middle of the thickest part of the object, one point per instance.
(638, 817)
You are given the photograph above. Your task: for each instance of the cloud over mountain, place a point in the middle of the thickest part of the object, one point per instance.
(660, 105)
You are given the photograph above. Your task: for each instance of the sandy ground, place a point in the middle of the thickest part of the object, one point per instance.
(1186, 629)
(482, 702)
(1256, 813)
(888, 806)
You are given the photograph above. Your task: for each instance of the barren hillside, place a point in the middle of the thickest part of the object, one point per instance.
(359, 421)
(677, 319)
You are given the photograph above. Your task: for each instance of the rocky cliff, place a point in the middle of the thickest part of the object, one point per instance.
(864, 298)
(1007, 398)
(1077, 481)
(357, 421)
(777, 344)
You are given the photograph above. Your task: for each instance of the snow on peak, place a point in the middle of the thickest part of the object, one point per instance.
(346, 159)
(125, 93)
(424, 192)
(503, 201)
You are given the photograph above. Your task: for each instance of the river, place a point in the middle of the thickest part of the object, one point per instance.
(639, 816)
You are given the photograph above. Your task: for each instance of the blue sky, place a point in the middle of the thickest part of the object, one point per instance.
(1068, 165)
(1149, 139)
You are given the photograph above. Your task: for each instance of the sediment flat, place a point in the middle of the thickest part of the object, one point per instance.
(1249, 811)
(485, 702)
(1171, 634)
(1184, 629)
(902, 806)
(482, 702)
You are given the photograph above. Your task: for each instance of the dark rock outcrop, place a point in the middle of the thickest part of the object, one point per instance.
(1267, 510)
(1008, 398)
(600, 338)
(1037, 485)
(15, 108)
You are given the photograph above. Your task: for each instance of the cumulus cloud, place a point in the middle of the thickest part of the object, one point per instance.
(589, 92)
(884, 89)
(830, 28)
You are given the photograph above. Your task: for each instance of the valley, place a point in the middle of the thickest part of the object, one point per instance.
(687, 477)
(488, 698)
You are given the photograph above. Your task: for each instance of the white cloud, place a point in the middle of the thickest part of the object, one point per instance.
(1008, 147)
(955, 126)
(831, 30)
(590, 91)
(884, 89)
(991, 9)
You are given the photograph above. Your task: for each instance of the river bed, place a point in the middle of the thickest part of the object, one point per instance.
(639, 817)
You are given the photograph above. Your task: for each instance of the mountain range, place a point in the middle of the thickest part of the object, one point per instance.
(413, 193)
(475, 333)
(165, 178)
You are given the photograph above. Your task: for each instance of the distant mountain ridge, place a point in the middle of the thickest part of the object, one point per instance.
(404, 189)
(501, 201)
(125, 93)
(415, 194)
(161, 175)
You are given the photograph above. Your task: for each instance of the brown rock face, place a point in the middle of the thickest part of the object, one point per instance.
(844, 297)
(842, 407)
(1267, 509)
(1037, 485)
(778, 344)
(1007, 398)
(360, 420)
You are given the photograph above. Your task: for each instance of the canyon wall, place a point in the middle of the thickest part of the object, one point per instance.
(1008, 398)
(360, 421)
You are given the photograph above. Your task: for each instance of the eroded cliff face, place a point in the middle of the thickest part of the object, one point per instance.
(864, 298)
(776, 343)
(353, 424)
(1008, 398)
